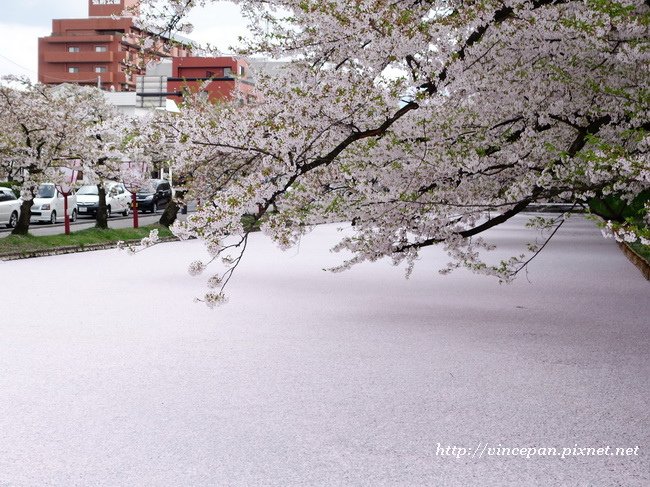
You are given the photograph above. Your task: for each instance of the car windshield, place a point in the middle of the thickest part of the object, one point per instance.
(88, 190)
(149, 187)
(46, 191)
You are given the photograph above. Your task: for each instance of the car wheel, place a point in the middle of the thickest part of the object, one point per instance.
(13, 220)
(127, 211)
(73, 217)
(53, 217)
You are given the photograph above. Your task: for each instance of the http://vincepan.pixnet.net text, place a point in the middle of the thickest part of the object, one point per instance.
(483, 450)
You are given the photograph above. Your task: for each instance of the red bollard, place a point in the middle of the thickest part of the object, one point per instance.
(134, 208)
(66, 217)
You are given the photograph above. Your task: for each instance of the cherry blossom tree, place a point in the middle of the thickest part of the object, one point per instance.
(42, 131)
(423, 123)
(158, 137)
(112, 150)
(44, 128)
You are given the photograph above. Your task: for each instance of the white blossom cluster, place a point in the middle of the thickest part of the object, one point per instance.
(196, 267)
(423, 123)
(149, 241)
(620, 233)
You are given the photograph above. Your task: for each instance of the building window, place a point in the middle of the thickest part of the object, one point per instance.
(73, 49)
(100, 69)
(73, 69)
(101, 49)
(241, 71)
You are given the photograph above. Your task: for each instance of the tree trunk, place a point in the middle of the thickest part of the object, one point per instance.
(171, 210)
(168, 217)
(102, 217)
(22, 227)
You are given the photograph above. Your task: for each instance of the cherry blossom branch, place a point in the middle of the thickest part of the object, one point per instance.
(539, 250)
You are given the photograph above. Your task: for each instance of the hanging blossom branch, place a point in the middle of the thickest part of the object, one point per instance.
(498, 112)
(561, 219)
(220, 281)
(143, 244)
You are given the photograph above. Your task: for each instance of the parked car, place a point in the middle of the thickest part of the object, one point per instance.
(118, 199)
(9, 208)
(49, 205)
(157, 193)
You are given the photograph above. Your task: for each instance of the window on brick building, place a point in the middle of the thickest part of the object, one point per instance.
(100, 69)
(101, 49)
(73, 49)
(73, 69)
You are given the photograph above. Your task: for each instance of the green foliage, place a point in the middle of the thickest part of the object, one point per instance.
(13, 185)
(613, 207)
(642, 250)
(611, 8)
(250, 223)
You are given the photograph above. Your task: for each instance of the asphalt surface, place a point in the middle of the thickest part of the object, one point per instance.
(86, 222)
(110, 374)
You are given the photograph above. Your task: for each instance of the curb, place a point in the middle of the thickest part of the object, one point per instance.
(642, 264)
(72, 249)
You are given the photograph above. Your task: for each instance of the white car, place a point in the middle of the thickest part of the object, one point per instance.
(9, 208)
(49, 205)
(118, 199)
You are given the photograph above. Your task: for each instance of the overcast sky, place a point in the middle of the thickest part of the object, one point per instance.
(24, 21)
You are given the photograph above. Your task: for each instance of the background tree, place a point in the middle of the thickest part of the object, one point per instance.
(158, 138)
(41, 129)
(111, 141)
(45, 128)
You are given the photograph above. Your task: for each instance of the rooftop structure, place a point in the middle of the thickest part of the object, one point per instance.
(104, 49)
(224, 78)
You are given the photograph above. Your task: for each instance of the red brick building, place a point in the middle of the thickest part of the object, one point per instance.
(101, 49)
(228, 78)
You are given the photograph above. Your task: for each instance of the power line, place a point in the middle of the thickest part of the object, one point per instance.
(20, 66)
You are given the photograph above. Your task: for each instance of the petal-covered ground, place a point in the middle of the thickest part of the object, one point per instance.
(111, 375)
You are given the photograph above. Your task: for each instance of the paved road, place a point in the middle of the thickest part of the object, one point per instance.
(84, 222)
(111, 375)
